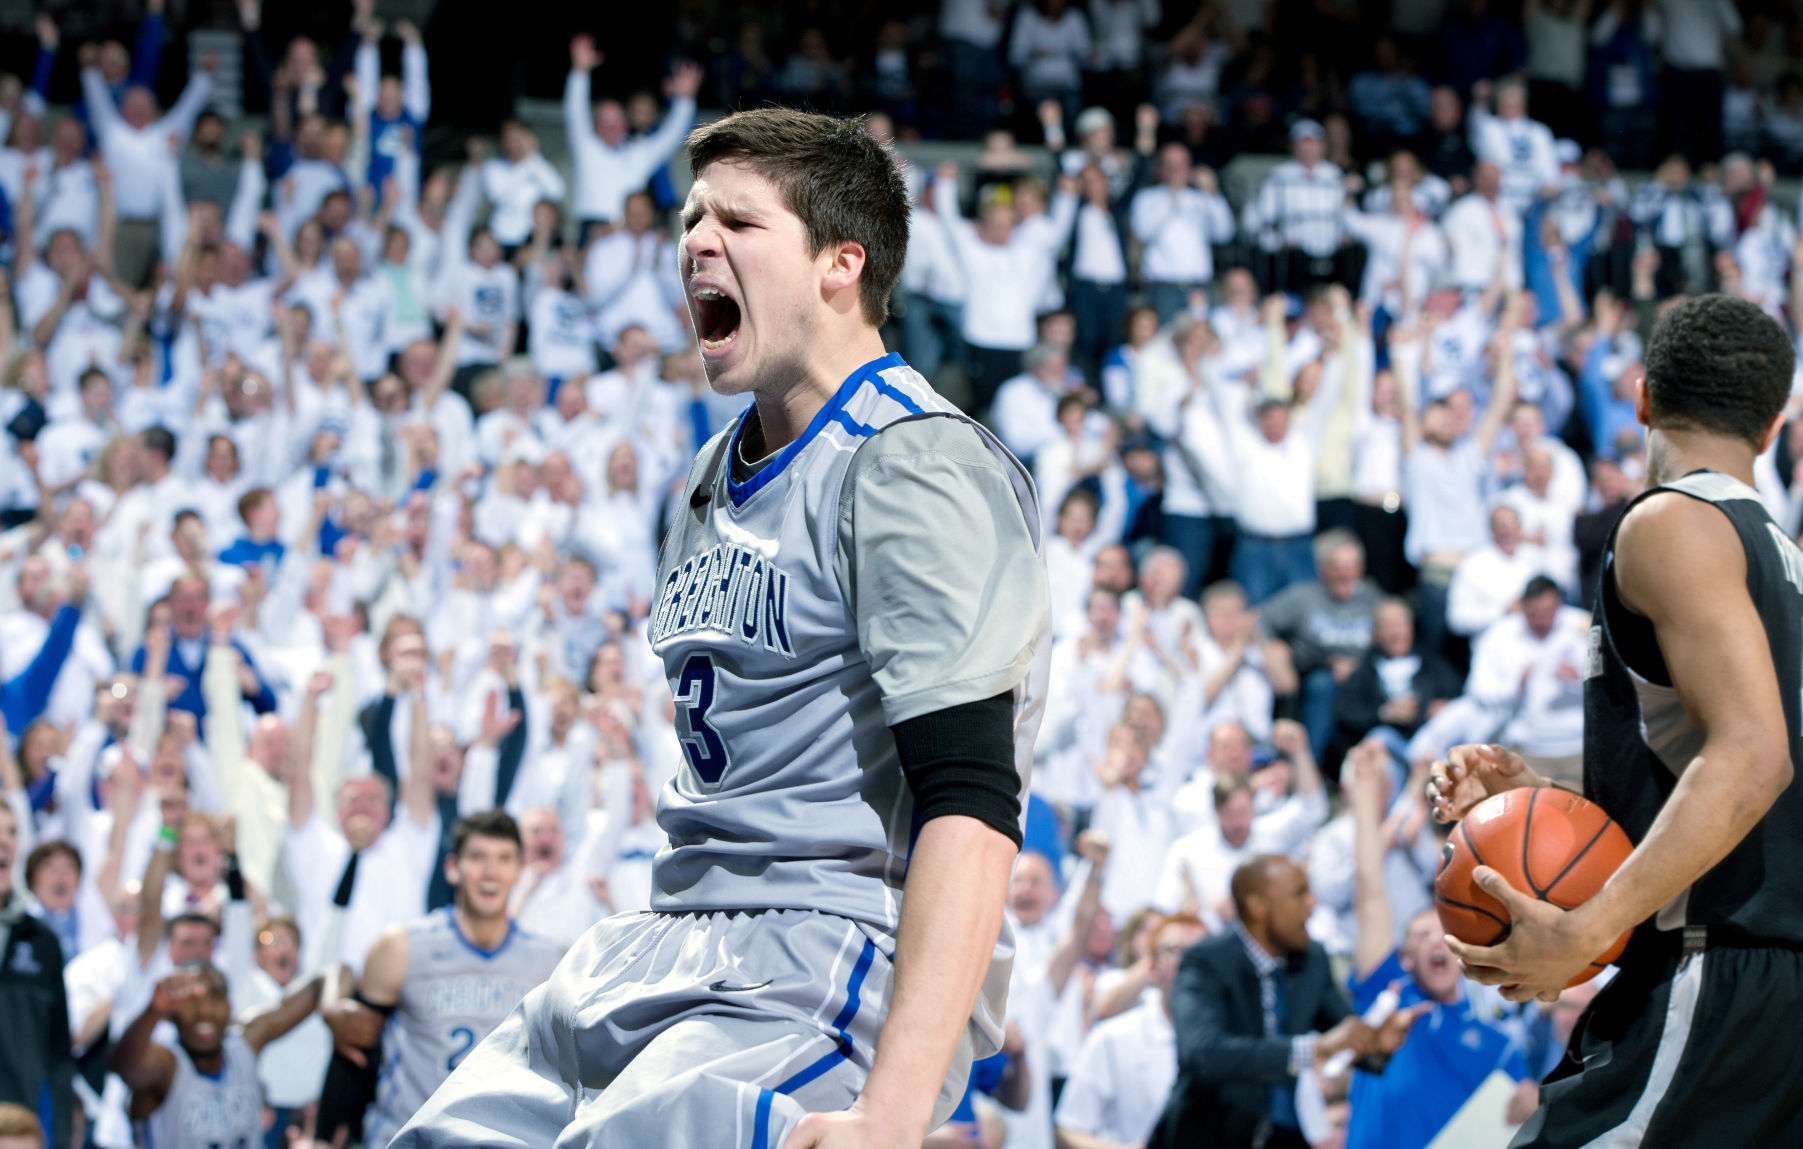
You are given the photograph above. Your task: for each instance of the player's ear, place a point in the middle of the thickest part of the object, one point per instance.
(450, 868)
(1643, 402)
(844, 262)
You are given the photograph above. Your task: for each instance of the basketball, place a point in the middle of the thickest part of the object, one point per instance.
(1544, 841)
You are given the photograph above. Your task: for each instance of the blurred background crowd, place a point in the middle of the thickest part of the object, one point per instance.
(331, 329)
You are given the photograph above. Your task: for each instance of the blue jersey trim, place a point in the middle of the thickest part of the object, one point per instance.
(821, 1064)
(852, 425)
(739, 492)
(760, 1122)
(513, 928)
(884, 387)
(854, 988)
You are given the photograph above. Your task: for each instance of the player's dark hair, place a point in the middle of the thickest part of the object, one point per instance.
(1718, 363)
(841, 184)
(1539, 585)
(497, 824)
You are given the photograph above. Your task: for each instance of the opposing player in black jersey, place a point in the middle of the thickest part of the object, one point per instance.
(1692, 696)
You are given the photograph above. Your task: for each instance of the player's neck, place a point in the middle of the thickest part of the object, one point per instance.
(207, 1063)
(1673, 454)
(483, 933)
(789, 405)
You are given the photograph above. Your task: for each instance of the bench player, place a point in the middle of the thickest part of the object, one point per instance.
(851, 612)
(1692, 728)
(445, 981)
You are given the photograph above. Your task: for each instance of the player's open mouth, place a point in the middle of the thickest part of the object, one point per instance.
(716, 318)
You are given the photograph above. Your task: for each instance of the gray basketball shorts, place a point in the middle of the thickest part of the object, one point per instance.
(682, 1031)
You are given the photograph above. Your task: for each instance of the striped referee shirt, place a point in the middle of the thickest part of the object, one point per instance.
(1298, 207)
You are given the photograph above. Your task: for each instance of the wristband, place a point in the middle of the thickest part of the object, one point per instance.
(384, 1010)
(166, 840)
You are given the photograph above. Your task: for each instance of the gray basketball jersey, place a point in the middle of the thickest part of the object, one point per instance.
(452, 997)
(202, 1112)
(791, 793)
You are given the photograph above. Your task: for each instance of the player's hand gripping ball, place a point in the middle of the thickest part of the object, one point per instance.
(1548, 843)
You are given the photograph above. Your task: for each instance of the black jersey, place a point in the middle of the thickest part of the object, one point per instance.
(1638, 739)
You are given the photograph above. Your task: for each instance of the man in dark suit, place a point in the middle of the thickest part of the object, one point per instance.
(1253, 1006)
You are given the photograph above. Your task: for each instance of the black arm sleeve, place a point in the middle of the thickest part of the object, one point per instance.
(960, 760)
(349, 1089)
(346, 1093)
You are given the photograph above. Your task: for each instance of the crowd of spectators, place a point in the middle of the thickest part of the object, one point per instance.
(1327, 463)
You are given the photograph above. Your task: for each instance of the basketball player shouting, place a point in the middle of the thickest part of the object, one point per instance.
(851, 611)
(1691, 732)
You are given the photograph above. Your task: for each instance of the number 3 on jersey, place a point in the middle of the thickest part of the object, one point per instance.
(700, 741)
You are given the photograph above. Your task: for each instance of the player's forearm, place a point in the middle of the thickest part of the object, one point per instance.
(951, 914)
(1719, 799)
(129, 1058)
(293, 1009)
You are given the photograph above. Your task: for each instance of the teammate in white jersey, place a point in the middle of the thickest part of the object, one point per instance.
(204, 1092)
(445, 981)
(851, 611)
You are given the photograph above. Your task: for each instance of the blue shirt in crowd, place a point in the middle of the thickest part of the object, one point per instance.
(1449, 1053)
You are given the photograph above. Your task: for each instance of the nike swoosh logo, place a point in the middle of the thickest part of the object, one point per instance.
(722, 987)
